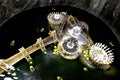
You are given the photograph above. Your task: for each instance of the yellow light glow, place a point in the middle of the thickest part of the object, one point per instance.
(59, 78)
(85, 69)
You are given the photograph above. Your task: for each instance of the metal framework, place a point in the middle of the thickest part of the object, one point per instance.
(71, 36)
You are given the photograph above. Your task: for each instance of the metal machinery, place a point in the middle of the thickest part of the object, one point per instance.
(73, 40)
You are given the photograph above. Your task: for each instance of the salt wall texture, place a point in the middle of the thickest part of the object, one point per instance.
(107, 10)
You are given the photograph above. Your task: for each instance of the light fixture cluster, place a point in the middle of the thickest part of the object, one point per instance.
(101, 54)
(98, 56)
(9, 76)
(72, 40)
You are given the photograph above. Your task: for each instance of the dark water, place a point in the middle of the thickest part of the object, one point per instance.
(24, 29)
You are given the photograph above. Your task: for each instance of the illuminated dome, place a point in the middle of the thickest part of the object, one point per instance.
(69, 48)
(56, 19)
(75, 31)
(101, 54)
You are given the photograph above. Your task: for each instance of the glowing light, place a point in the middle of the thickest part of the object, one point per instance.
(13, 74)
(85, 69)
(56, 20)
(2, 75)
(56, 17)
(31, 62)
(42, 30)
(49, 32)
(32, 69)
(101, 54)
(70, 46)
(75, 31)
(111, 43)
(16, 78)
(86, 55)
(59, 78)
(85, 60)
(56, 50)
(45, 52)
(8, 78)
(12, 43)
